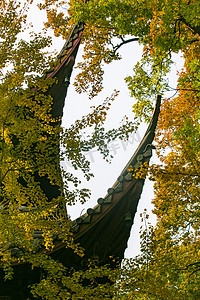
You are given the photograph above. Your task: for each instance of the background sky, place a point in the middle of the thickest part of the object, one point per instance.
(77, 105)
(106, 174)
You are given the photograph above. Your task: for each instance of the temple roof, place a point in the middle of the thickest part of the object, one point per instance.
(105, 229)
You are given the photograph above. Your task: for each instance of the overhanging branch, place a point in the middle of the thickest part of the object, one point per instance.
(115, 48)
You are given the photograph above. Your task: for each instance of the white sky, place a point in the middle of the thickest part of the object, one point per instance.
(77, 105)
(106, 174)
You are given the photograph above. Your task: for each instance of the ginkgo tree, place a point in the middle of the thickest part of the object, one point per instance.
(169, 264)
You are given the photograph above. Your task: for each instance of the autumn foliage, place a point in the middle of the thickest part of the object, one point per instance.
(168, 266)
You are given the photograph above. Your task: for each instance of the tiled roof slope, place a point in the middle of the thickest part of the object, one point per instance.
(63, 70)
(104, 230)
(67, 51)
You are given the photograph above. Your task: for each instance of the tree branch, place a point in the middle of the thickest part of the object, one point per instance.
(196, 29)
(181, 89)
(196, 266)
(115, 48)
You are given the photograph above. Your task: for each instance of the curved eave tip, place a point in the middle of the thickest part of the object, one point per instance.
(154, 120)
(148, 137)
